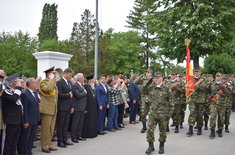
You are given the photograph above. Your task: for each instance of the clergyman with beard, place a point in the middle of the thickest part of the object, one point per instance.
(90, 119)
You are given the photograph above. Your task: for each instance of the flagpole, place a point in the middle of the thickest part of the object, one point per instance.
(96, 42)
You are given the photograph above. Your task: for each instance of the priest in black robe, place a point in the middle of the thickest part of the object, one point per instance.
(90, 119)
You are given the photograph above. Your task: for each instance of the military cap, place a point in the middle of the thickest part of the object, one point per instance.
(209, 75)
(197, 69)
(173, 73)
(13, 77)
(218, 74)
(157, 74)
(149, 70)
(50, 70)
(204, 76)
(89, 77)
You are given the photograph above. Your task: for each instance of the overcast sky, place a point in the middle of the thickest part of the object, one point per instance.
(26, 15)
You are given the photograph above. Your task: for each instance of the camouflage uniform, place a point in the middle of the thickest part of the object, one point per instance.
(182, 101)
(228, 105)
(144, 83)
(197, 106)
(174, 96)
(218, 106)
(160, 109)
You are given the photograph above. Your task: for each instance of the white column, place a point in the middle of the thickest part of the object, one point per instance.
(47, 59)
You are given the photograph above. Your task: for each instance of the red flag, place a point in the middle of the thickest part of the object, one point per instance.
(189, 86)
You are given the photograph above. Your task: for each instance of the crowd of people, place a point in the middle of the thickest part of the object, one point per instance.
(70, 106)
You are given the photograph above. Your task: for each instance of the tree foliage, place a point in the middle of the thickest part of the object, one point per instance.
(125, 53)
(16, 53)
(84, 34)
(138, 19)
(48, 25)
(207, 23)
(223, 63)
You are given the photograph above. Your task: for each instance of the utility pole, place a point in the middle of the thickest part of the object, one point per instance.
(96, 42)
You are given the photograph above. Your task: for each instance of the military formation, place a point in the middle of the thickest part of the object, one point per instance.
(163, 98)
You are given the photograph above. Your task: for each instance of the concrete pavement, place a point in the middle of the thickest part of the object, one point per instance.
(130, 141)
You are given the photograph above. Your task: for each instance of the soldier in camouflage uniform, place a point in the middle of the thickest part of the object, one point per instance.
(230, 91)
(197, 103)
(144, 82)
(209, 79)
(172, 85)
(182, 99)
(161, 107)
(218, 105)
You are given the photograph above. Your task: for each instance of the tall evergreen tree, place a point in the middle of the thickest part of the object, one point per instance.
(138, 20)
(84, 34)
(48, 25)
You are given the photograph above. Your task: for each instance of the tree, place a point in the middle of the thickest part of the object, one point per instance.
(207, 23)
(138, 19)
(48, 25)
(125, 53)
(16, 53)
(84, 34)
(223, 63)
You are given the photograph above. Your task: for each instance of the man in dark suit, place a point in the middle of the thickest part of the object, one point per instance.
(79, 105)
(102, 97)
(12, 109)
(29, 99)
(64, 107)
(134, 98)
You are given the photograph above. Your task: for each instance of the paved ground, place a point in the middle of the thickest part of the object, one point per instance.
(131, 142)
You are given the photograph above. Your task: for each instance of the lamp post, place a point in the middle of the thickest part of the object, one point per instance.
(96, 42)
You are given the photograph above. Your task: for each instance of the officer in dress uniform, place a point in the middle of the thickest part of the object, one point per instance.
(48, 109)
(12, 113)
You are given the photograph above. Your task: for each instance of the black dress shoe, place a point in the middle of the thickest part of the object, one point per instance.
(75, 141)
(81, 139)
(68, 143)
(61, 145)
(102, 133)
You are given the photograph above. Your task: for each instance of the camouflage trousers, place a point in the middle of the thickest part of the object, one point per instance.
(227, 115)
(196, 113)
(182, 112)
(144, 110)
(206, 113)
(214, 111)
(152, 124)
(176, 114)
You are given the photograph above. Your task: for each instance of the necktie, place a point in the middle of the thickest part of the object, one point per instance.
(69, 85)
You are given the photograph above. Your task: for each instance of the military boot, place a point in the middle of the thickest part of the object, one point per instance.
(161, 148)
(167, 128)
(181, 125)
(220, 133)
(177, 129)
(199, 131)
(212, 135)
(206, 125)
(196, 127)
(150, 149)
(226, 129)
(144, 128)
(190, 131)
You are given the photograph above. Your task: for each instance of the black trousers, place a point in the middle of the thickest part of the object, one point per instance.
(77, 124)
(12, 137)
(25, 143)
(121, 108)
(62, 125)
